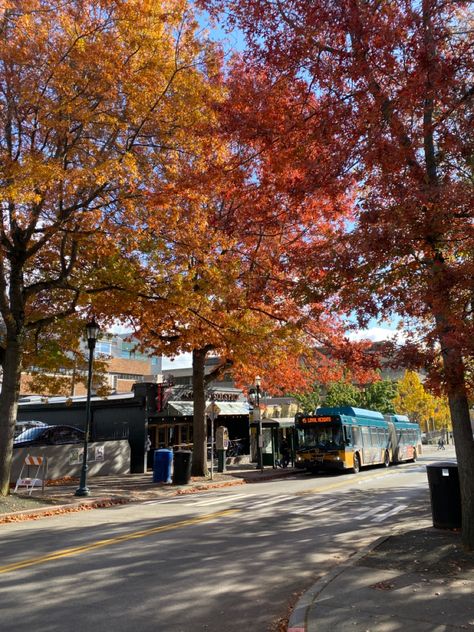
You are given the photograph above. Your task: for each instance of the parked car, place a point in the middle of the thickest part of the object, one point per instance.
(21, 426)
(49, 435)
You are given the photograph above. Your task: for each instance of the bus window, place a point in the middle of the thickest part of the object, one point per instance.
(347, 435)
(365, 437)
(376, 437)
(356, 436)
(321, 435)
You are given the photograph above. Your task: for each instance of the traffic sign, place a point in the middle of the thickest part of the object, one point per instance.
(213, 409)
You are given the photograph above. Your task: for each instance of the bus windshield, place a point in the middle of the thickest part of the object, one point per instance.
(327, 436)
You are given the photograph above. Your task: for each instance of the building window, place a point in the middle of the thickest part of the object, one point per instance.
(103, 347)
(183, 380)
(128, 376)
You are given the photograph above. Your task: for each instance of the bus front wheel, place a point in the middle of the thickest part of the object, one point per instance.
(356, 465)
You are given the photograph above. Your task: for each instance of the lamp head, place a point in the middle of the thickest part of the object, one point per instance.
(92, 329)
(258, 380)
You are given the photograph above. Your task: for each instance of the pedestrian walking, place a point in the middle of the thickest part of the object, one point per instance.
(285, 453)
(441, 444)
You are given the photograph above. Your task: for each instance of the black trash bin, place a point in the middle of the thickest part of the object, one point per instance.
(443, 479)
(182, 467)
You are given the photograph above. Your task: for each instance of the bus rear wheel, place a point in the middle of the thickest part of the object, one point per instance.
(356, 465)
(386, 459)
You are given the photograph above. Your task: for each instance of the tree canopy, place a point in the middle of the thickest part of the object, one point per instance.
(382, 107)
(97, 101)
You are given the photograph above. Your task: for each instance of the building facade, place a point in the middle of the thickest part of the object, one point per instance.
(125, 366)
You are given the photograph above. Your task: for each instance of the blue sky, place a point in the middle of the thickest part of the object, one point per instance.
(233, 41)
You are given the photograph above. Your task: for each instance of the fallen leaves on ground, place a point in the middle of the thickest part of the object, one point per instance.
(37, 514)
(210, 485)
(65, 480)
(383, 586)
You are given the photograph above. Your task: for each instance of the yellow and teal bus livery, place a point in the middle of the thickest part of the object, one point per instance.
(347, 438)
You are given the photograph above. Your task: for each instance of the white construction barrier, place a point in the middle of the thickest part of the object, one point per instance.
(30, 483)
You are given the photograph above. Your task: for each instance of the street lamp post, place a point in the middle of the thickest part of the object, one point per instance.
(92, 330)
(258, 379)
(212, 415)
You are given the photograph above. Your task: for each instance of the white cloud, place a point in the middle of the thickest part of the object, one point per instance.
(182, 361)
(376, 334)
(119, 328)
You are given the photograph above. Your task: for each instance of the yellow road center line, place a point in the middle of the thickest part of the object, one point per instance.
(109, 541)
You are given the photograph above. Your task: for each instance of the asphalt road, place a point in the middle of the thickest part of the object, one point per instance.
(226, 560)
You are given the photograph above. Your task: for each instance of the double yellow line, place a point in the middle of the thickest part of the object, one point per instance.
(76, 550)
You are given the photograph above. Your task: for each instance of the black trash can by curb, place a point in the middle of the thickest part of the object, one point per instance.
(443, 479)
(182, 467)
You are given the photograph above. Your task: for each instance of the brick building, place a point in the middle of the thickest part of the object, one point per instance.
(125, 367)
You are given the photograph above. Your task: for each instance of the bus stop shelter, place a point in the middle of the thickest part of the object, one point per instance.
(274, 431)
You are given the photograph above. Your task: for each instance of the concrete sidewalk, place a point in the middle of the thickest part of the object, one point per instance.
(418, 581)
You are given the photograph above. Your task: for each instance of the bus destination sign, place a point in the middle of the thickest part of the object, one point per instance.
(313, 420)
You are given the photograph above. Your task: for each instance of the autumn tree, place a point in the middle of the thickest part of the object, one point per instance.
(96, 102)
(208, 293)
(215, 280)
(413, 400)
(386, 98)
(421, 406)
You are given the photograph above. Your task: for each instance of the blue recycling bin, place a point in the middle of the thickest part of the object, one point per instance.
(162, 460)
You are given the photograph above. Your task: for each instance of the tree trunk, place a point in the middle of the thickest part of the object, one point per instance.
(199, 466)
(462, 431)
(8, 409)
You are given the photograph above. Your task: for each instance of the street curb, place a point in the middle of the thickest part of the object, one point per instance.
(45, 512)
(299, 617)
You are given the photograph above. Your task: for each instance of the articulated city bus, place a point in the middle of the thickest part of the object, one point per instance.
(349, 438)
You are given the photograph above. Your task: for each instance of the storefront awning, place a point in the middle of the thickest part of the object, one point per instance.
(186, 409)
(275, 422)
